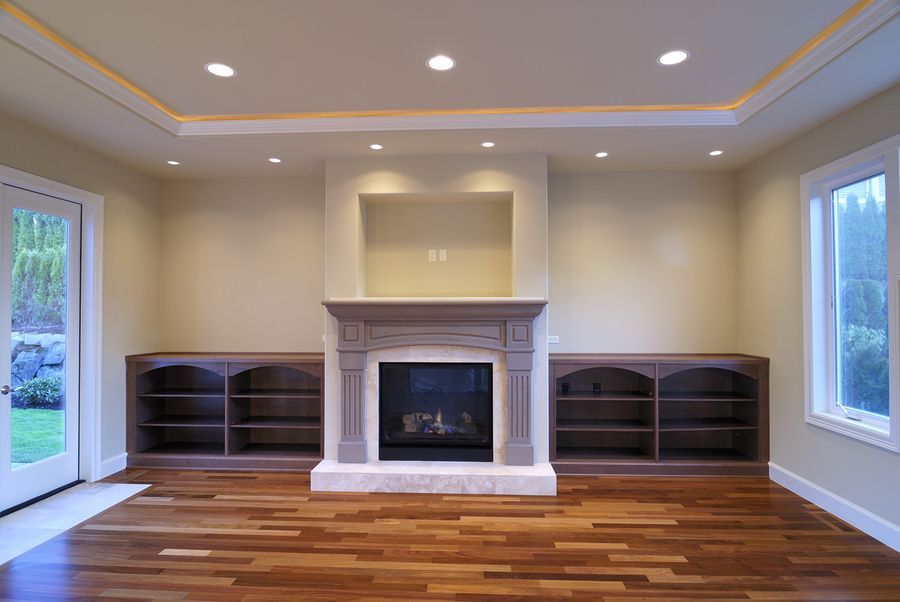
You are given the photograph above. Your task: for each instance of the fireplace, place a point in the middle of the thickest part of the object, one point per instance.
(373, 337)
(435, 411)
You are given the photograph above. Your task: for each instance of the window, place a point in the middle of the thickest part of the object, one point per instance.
(859, 235)
(851, 252)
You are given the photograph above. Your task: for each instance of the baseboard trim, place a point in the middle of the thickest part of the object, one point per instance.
(113, 465)
(871, 524)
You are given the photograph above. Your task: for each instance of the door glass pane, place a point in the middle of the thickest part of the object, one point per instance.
(861, 302)
(40, 247)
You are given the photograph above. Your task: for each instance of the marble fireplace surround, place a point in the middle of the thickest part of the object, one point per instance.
(437, 353)
(498, 330)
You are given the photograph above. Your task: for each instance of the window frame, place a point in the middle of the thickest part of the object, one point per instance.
(819, 302)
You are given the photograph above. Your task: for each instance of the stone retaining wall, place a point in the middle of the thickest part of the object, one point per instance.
(37, 355)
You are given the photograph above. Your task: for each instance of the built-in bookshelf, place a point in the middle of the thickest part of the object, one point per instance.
(659, 414)
(225, 410)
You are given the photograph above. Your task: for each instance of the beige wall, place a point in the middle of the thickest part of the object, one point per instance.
(130, 254)
(346, 179)
(771, 306)
(475, 230)
(242, 265)
(643, 262)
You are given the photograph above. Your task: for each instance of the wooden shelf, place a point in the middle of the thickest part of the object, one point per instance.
(287, 422)
(709, 415)
(611, 396)
(704, 396)
(603, 453)
(277, 394)
(703, 424)
(254, 411)
(678, 454)
(195, 421)
(601, 425)
(277, 450)
(196, 448)
(184, 393)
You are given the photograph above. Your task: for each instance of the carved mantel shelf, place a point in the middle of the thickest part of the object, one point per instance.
(443, 308)
(499, 323)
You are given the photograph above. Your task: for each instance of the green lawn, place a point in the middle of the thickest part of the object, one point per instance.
(37, 434)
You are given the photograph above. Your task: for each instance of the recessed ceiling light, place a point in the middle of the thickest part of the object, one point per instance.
(601, 154)
(173, 162)
(715, 153)
(441, 63)
(487, 144)
(673, 57)
(376, 146)
(274, 160)
(220, 69)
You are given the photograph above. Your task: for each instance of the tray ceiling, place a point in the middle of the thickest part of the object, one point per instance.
(330, 72)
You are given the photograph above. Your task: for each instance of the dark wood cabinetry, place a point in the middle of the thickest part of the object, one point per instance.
(225, 410)
(659, 414)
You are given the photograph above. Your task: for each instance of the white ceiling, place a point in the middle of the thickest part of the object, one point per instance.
(339, 55)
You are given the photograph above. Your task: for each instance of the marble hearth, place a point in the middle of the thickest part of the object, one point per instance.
(499, 331)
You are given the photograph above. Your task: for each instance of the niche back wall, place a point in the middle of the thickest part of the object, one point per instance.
(474, 231)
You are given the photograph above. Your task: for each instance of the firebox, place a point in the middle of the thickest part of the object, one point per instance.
(436, 411)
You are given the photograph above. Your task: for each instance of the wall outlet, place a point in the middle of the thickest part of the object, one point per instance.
(432, 254)
(553, 340)
(442, 254)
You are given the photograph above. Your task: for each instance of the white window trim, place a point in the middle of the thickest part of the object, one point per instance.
(818, 311)
(90, 459)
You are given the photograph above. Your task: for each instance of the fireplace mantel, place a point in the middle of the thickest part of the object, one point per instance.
(499, 323)
(440, 308)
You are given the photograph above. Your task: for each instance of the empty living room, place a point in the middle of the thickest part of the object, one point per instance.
(450, 300)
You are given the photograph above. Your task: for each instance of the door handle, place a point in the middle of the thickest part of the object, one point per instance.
(5, 390)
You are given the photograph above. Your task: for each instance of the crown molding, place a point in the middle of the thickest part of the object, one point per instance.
(867, 20)
(852, 26)
(34, 41)
(457, 122)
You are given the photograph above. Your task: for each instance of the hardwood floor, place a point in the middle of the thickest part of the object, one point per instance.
(263, 536)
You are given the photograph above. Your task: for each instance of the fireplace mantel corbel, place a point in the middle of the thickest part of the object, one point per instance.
(500, 324)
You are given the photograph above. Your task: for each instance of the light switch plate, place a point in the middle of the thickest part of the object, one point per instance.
(553, 339)
(442, 255)
(432, 254)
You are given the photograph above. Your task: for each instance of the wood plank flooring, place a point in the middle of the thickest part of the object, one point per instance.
(263, 536)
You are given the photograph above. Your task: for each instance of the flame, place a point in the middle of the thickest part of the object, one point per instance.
(438, 417)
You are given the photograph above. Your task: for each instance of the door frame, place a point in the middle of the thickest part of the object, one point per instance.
(90, 463)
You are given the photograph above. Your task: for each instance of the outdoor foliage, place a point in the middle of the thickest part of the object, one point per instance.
(39, 271)
(39, 393)
(862, 264)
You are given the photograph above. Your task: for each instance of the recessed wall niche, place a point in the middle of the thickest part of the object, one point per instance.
(475, 228)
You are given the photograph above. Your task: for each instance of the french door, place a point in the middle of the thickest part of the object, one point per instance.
(40, 256)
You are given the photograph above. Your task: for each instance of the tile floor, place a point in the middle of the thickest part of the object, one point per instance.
(32, 526)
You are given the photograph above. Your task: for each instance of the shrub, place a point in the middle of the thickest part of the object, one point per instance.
(40, 392)
(865, 369)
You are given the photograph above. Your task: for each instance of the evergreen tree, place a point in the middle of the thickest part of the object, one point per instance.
(853, 303)
(39, 271)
